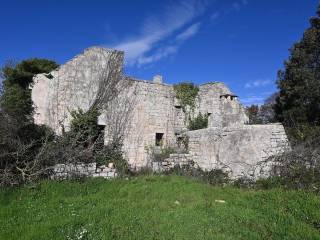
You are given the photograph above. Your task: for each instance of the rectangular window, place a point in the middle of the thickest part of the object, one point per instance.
(159, 139)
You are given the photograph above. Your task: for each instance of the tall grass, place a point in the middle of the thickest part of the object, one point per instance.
(155, 207)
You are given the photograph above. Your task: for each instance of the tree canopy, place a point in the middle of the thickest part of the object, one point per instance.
(16, 95)
(299, 82)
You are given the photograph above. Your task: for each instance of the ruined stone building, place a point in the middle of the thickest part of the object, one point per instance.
(153, 115)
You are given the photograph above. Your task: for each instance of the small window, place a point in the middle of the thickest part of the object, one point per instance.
(178, 107)
(159, 139)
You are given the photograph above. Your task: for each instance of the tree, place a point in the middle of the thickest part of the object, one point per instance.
(21, 140)
(299, 82)
(16, 95)
(253, 112)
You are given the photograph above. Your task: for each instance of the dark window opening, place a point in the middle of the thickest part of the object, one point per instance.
(209, 114)
(178, 107)
(159, 139)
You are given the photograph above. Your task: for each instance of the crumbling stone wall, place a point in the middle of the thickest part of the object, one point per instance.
(240, 151)
(72, 86)
(153, 113)
(222, 105)
(175, 160)
(69, 170)
(153, 108)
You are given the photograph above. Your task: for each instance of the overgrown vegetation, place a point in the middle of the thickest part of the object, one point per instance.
(299, 82)
(159, 154)
(85, 143)
(20, 139)
(16, 95)
(187, 93)
(199, 122)
(155, 207)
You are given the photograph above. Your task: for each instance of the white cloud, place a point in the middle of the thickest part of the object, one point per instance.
(157, 29)
(189, 32)
(258, 83)
(159, 54)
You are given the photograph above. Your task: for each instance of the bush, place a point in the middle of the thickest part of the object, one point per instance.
(112, 153)
(20, 145)
(300, 168)
(244, 182)
(186, 92)
(160, 154)
(200, 122)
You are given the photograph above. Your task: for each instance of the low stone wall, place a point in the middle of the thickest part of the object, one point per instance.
(173, 161)
(64, 171)
(241, 151)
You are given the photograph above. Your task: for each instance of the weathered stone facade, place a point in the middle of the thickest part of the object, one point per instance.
(156, 116)
(65, 171)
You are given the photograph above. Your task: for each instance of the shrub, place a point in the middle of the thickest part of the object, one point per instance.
(200, 122)
(244, 182)
(112, 153)
(216, 177)
(300, 168)
(186, 92)
(160, 154)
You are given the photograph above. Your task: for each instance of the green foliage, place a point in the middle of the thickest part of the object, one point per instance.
(200, 122)
(299, 82)
(303, 133)
(112, 153)
(186, 92)
(216, 177)
(16, 96)
(17, 102)
(163, 154)
(84, 125)
(155, 207)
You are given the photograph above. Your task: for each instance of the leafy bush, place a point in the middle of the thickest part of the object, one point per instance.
(200, 122)
(84, 126)
(216, 177)
(160, 154)
(112, 153)
(186, 92)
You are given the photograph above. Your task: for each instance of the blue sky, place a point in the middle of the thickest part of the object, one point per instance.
(240, 42)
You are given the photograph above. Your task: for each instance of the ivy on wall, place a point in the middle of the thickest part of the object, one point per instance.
(187, 93)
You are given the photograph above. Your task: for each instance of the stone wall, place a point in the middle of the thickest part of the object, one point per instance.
(145, 110)
(72, 86)
(174, 160)
(223, 107)
(157, 110)
(240, 151)
(68, 170)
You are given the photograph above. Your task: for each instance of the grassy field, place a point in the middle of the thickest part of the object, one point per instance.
(156, 207)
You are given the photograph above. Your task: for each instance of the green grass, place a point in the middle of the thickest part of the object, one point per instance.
(156, 207)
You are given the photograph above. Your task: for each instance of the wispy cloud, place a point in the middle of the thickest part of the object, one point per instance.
(237, 5)
(189, 32)
(215, 16)
(159, 54)
(146, 46)
(258, 83)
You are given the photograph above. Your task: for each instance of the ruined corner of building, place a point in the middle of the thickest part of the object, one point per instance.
(152, 119)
